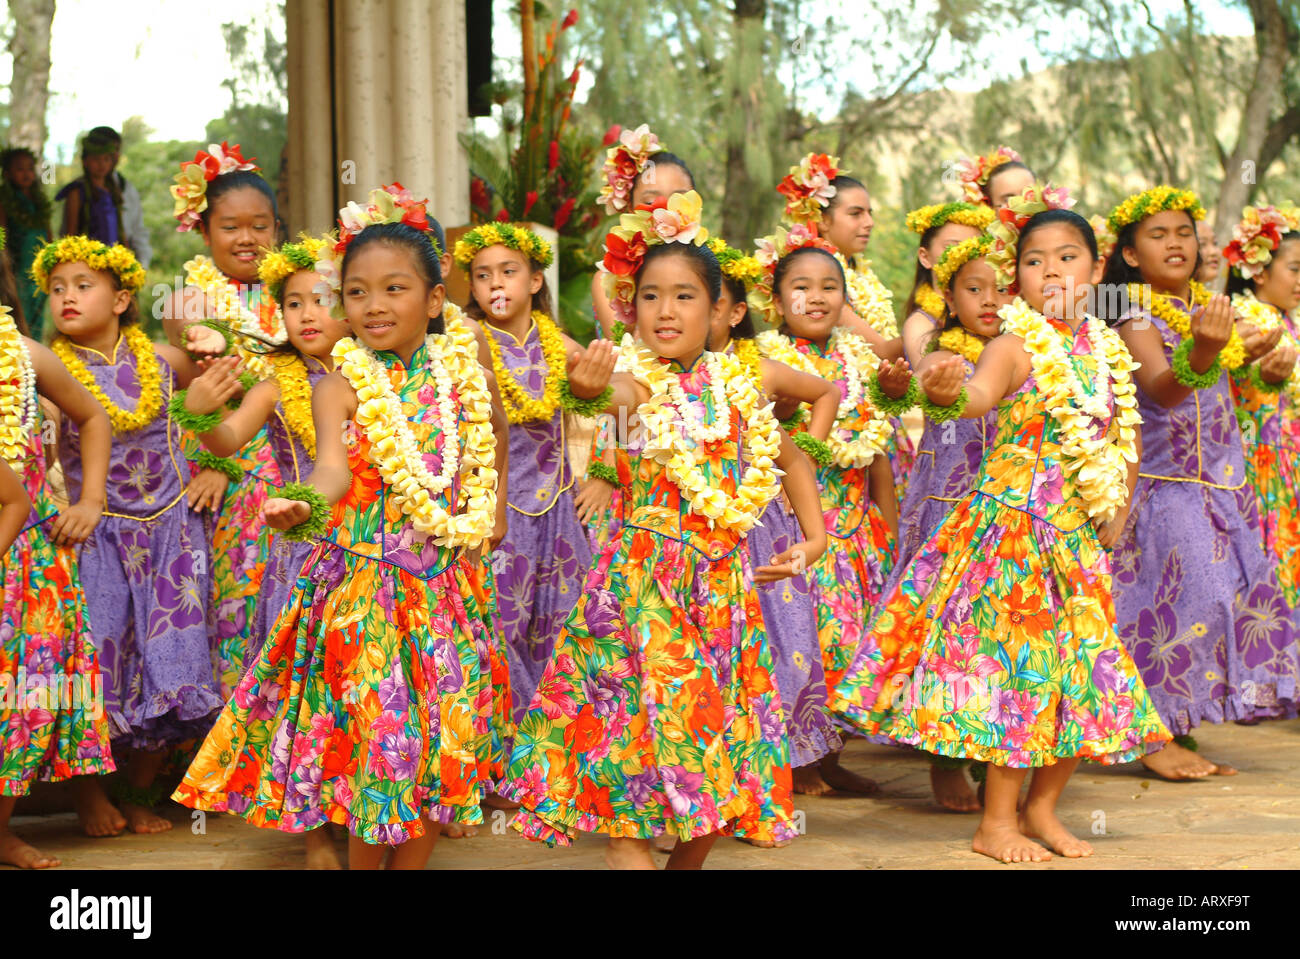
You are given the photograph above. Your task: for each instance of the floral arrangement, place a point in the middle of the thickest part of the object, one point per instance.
(741, 267)
(1150, 202)
(509, 235)
(1012, 218)
(935, 215)
(769, 252)
(1256, 237)
(808, 189)
(624, 162)
(675, 219)
(281, 263)
(115, 259)
(190, 190)
(19, 406)
(392, 203)
(957, 256)
(1105, 238)
(973, 172)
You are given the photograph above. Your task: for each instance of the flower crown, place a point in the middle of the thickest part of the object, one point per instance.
(624, 162)
(1105, 239)
(501, 234)
(191, 187)
(957, 256)
(1150, 202)
(974, 172)
(392, 203)
(1256, 237)
(741, 267)
(281, 263)
(770, 251)
(672, 220)
(808, 189)
(116, 259)
(937, 214)
(1012, 218)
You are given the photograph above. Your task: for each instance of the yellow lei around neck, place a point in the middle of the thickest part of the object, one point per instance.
(963, 342)
(869, 298)
(519, 406)
(1098, 466)
(147, 368)
(231, 308)
(747, 352)
(850, 449)
(931, 301)
(1233, 354)
(452, 359)
(666, 426)
(295, 399)
(18, 402)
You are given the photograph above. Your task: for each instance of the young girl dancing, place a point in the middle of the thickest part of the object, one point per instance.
(998, 641)
(1197, 599)
(802, 289)
(378, 701)
(657, 713)
(145, 569)
(52, 724)
(993, 179)
(1264, 257)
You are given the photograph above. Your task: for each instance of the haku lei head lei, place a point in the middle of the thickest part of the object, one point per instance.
(1256, 238)
(190, 190)
(675, 219)
(770, 251)
(935, 215)
(510, 235)
(957, 256)
(808, 188)
(1012, 218)
(741, 267)
(1105, 238)
(624, 162)
(115, 259)
(303, 254)
(973, 172)
(1158, 199)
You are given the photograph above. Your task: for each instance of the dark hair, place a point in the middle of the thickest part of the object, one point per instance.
(400, 235)
(541, 299)
(664, 158)
(237, 180)
(1118, 272)
(9, 293)
(1240, 284)
(9, 154)
(842, 183)
(744, 330)
(783, 266)
(702, 261)
(987, 187)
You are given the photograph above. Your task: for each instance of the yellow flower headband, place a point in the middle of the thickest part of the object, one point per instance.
(744, 269)
(281, 263)
(1011, 220)
(116, 259)
(1150, 202)
(501, 234)
(957, 256)
(937, 214)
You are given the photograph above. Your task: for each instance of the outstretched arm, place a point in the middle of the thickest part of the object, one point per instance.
(801, 489)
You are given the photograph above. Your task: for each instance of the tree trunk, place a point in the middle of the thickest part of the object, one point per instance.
(1242, 169)
(741, 209)
(30, 88)
(527, 25)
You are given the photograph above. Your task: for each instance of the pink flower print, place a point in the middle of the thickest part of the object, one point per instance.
(1016, 710)
(965, 668)
(555, 692)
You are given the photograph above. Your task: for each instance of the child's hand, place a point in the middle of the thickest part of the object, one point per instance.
(895, 377)
(1212, 326)
(590, 370)
(206, 490)
(1276, 367)
(219, 382)
(793, 562)
(1108, 533)
(73, 525)
(594, 496)
(1256, 343)
(201, 339)
(942, 380)
(280, 513)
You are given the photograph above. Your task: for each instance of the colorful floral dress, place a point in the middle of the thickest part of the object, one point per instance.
(45, 644)
(540, 564)
(998, 641)
(658, 712)
(859, 555)
(1198, 600)
(381, 698)
(145, 570)
(1271, 425)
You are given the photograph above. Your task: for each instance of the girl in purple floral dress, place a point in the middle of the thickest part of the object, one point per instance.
(145, 568)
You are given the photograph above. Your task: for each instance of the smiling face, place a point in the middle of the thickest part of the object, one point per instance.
(1056, 271)
(1279, 284)
(84, 301)
(502, 282)
(307, 321)
(387, 300)
(659, 181)
(847, 223)
(674, 311)
(1006, 183)
(1164, 250)
(974, 298)
(811, 296)
(239, 228)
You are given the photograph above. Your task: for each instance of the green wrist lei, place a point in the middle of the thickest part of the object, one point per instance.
(616, 331)
(1264, 386)
(887, 404)
(591, 407)
(246, 382)
(194, 422)
(815, 448)
(602, 471)
(208, 461)
(226, 334)
(1187, 376)
(314, 525)
(941, 414)
(796, 418)
(147, 797)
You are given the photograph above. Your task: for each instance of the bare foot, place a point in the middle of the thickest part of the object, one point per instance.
(1175, 763)
(628, 854)
(459, 830)
(321, 853)
(1005, 843)
(499, 802)
(15, 852)
(808, 781)
(765, 843)
(951, 790)
(98, 815)
(664, 842)
(141, 819)
(1039, 822)
(839, 778)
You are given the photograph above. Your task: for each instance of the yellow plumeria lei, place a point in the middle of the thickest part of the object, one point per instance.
(1097, 465)
(1233, 354)
(18, 402)
(453, 362)
(869, 298)
(1266, 317)
(116, 259)
(666, 422)
(147, 369)
(519, 406)
(232, 309)
(963, 342)
(930, 300)
(850, 449)
(295, 399)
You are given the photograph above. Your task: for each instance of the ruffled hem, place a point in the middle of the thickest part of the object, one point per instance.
(1231, 709)
(59, 771)
(813, 743)
(169, 718)
(1135, 745)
